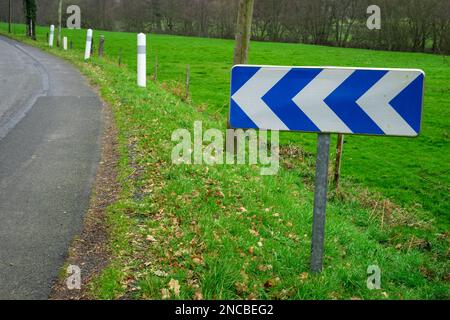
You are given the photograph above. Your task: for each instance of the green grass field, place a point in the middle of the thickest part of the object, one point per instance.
(225, 232)
(412, 172)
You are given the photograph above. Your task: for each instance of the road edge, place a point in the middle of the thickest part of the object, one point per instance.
(89, 250)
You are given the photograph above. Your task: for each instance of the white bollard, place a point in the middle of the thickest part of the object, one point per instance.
(65, 43)
(51, 36)
(87, 53)
(142, 60)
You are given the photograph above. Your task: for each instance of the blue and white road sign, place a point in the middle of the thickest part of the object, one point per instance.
(327, 99)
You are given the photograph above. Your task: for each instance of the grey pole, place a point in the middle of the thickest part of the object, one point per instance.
(320, 202)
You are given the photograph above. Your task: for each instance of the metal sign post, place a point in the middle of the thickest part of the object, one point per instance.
(324, 100)
(320, 202)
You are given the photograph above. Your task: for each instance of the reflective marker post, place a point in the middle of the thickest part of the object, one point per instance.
(87, 52)
(50, 38)
(142, 60)
(320, 202)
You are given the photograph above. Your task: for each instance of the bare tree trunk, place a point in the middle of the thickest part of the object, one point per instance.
(243, 35)
(29, 7)
(243, 31)
(59, 22)
(9, 16)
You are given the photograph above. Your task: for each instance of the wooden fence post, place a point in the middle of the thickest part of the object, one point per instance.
(337, 166)
(101, 46)
(188, 79)
(156, 68)
(92, 46)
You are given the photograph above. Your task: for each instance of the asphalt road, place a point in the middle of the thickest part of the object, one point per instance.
(50, 129)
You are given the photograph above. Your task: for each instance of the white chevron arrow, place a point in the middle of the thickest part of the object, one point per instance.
(311, 100)
(249, 98)
(375, 102)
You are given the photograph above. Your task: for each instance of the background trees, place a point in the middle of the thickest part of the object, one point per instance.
(29, 11)
(410, 25)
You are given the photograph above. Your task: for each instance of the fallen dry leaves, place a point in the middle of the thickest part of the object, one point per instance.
(165, 293)
(174, 286)
(304, 276)
(198, 295)
(271, 282)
